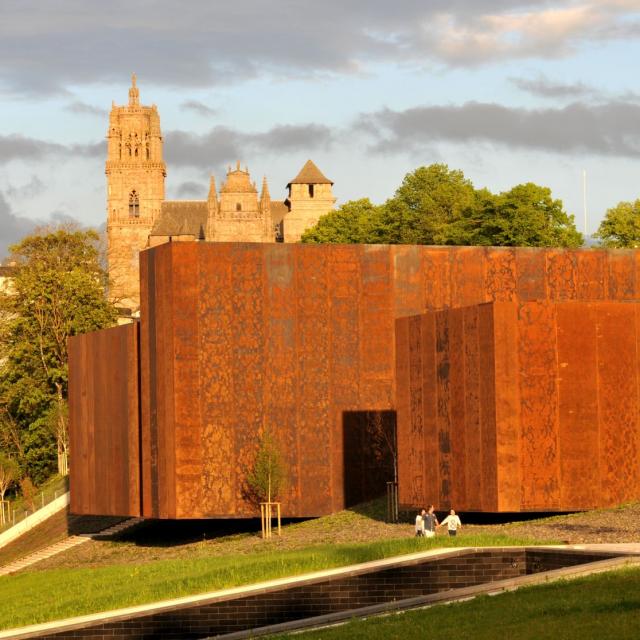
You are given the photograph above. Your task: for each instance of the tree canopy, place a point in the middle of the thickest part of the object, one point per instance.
(59, 290)
(620, 227)
(439, 206)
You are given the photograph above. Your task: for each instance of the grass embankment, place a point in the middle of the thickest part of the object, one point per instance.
(40, 596)
(53, 488)
(591, 608)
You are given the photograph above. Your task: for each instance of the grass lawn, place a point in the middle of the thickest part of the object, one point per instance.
(39, 596)
(596, 607)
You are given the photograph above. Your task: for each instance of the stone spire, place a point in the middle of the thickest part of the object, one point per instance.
(265, 196)
(213, 194)
(134, 93)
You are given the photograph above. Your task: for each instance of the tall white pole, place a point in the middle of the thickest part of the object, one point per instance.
(584, 200)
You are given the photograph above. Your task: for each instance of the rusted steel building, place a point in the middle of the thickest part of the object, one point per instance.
(302, 339)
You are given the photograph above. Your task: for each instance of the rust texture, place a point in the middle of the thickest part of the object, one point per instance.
(104, 422)
(558, 430)
(236, 338)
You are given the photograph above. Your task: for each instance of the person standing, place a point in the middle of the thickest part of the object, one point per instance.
(420, 525)
(453, 523)
(430, 522)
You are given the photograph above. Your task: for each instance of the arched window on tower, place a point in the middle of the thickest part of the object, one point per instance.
(134, 205)
(238, 206)
(311, 191)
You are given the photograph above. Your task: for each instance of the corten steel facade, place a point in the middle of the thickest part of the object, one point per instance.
(520, 406)
(237, 337)
(104, 422)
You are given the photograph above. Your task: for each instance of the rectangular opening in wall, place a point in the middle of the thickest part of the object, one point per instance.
(370, 454)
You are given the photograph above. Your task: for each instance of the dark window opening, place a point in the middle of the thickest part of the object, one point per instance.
(238, 206)
(134, 205)
(370, 454)
(311, 191)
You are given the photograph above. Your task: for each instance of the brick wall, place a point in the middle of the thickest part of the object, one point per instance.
(324, 596)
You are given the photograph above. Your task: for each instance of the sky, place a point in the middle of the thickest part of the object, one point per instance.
(507, 91)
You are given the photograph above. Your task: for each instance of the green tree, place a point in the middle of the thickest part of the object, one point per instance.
(525, 216)
(268, 474)
(9, 473)
(355, 222)
(59, 290)
(429, 206)
(620, 227)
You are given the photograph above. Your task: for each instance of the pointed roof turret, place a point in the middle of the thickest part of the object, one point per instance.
(134, 93)
(265, 195)
(310, 174)
(213, 194)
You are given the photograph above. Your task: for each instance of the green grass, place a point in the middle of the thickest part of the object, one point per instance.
(596, 607)
(40, 596)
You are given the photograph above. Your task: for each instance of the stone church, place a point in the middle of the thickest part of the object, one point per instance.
(138, 216)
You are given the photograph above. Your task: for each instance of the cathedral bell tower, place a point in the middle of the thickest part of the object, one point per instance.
(135, 190)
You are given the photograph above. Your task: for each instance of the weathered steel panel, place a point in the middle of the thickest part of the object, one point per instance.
(281, 367)
(618, 402)
(429, 422)
(377, 355)
(537, 359)
(622, 284)
(185, 496)
(486, 346)
(508, 434)
(216, 393)
(467, 276)
(437, 277)
(500, 279)
(104, 422)
(410, 480)
(238, 337)
(577, 371)
(473, 433)
(443, 406)
(457, 391)
(315, 415)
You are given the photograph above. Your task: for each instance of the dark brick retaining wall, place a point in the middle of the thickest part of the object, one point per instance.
(324, 596)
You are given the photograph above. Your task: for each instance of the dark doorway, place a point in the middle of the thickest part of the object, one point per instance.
(370, 451)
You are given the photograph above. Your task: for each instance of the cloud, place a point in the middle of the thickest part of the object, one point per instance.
(82, 108)
(191, 190)
(19, 147)
(12, 227)
(607, 129)
(545, 88)
(223, 144)
(45, 51)
(199, 108)
(31, 189)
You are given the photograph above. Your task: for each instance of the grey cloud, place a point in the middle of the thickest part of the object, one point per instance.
(82, 108)
(213, 43)
(222, 144)
(12, 226)
(199, 108)
(191, 189)
(546, 88)
(606, 129)
(33, 188)
(18, 147)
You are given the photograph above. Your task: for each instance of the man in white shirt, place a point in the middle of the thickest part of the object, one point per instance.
(453, 523)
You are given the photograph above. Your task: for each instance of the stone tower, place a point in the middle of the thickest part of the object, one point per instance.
(310, 196)
(135, 190)
(239, 215)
